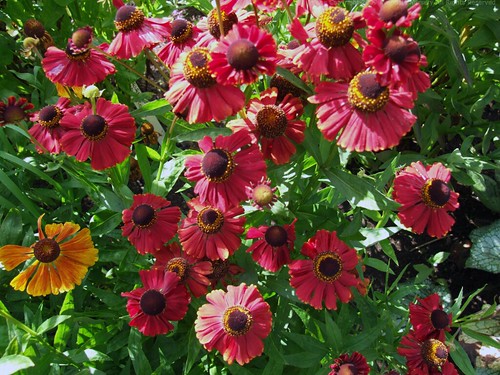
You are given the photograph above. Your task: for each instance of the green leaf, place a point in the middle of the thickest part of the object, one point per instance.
(51, 323)
(460, 357)
(10, 364)
(374, 235)
(12, 228)
(423, 272)
(292, 78)
(487, 190)
(14, 189)
(63, 331)
(193, 350)
(196, 135)
(137, 356)
(154, 108)
(87, 355)
(142, 159)
(484, 254)
(484, 339)
(333, 335)
(104, 222)
(378, 265)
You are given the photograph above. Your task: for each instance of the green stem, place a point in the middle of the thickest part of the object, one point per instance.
(288, 11)
(159, 65)
(164, 148)
(219, 15)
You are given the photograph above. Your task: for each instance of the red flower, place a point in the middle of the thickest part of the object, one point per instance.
(425, 198)
(161, 299)
(195, 94)
(327, 274)
(274, 124)
(14, 110)
(274, 246)
(384, 14)
(228, 165)
(425, 357)
(368, 116)
(210, 231)
(191, 272)
(79, 64)
(105, 136)
(306, 6)
(261, 194)
(353, 364)
(150, 222)
(183, 35)
(223, 272)
(47, 130)
(234, 323)
(429, 319)
(210, 24)
(136, 32)
(243, 54)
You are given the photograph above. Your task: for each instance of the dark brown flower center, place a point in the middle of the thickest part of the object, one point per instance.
(271, 121)
(196, 69)
(78, 55)
(210, 220)
(181, 30)
(228, 20)
(220, 269)
(46, 250)
(434, 352)
(217, 165)
(366, 94)
(49, 116)
(242, 54)
(436, 193)
(348, 369)
(237, 320)
(34, 28)
(334, 27)
(284, 87)
(94, 127)
(327, 266)
(439, 319)
(178, 265)
(13, 114)
(82, 37)
(128, 18)
(144, 216)
(393, 10)
(276, 236)
(152, 302)
(398, 48)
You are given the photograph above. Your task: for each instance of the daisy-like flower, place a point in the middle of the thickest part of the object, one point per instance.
(183, 35)
(46, 129)
(274, 124)
(234, 323)
(14, 110)
(79, 64)
(227, 166)
(161, 299)
(243, 54)
(223, 272)
(150, 222)
(192, 273)
(136, 32)
(326, 275)
(350, 364)
(274, 245)
(195, 94)
(327, 45)
(105, 136)
(62, 256)
(428, 318)
(261, 194)
(210, 231)
(425, 198)
(306, 6)
(385, 14)
(426, 357)
(367, 115)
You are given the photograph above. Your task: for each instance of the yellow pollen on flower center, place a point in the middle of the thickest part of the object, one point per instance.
(129, 18)
(237, 320)
(94, 127)
(434, 352)
(50, 116)
(334, 27)
(271, 121)
(196, 69)
(327, 266)
(77, 56)
(435, 193)
(181, 31)
(366, 94)
(210, 220)
(178, 265)
(46, 250)
(228, 20)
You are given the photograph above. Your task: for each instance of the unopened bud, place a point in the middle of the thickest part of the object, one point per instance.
(91, 91)
(29, 43)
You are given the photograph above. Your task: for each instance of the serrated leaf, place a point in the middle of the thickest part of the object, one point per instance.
(10, 364)
(484, 254)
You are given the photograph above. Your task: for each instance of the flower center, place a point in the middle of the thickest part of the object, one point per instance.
(393, 10)
(276, 236)
(82, 37)
(439, 319)
(178, 265)
(94, 127)
(398, 48)
(210, 220)
(334, 27)
(327, 266)
(242, 54)
(128, 18)
(366, 94)
(181, 31)
(435, 193)
(152, 302)
(228, 20)
(196, 69)
(46, 250)
(237, 320)
(434, 352)
(348, 369)
(220, 269)
(262, 194)
(271, 121)
(217, 165)
(13, 114)
(144, 216)
(49, 116)
(78, 55)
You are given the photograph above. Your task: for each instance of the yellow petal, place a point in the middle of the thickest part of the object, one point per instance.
(39, 285)
(13, 255)
(19, 282)
(52, 230)
(80, 249)
(70, 272)
(67, 230)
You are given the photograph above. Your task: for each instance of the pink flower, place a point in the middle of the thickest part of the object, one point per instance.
(384, 14)
(183, 35)
(261, 194)
(350, 364)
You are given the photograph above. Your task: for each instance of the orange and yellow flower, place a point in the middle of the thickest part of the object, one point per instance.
(62, 255)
